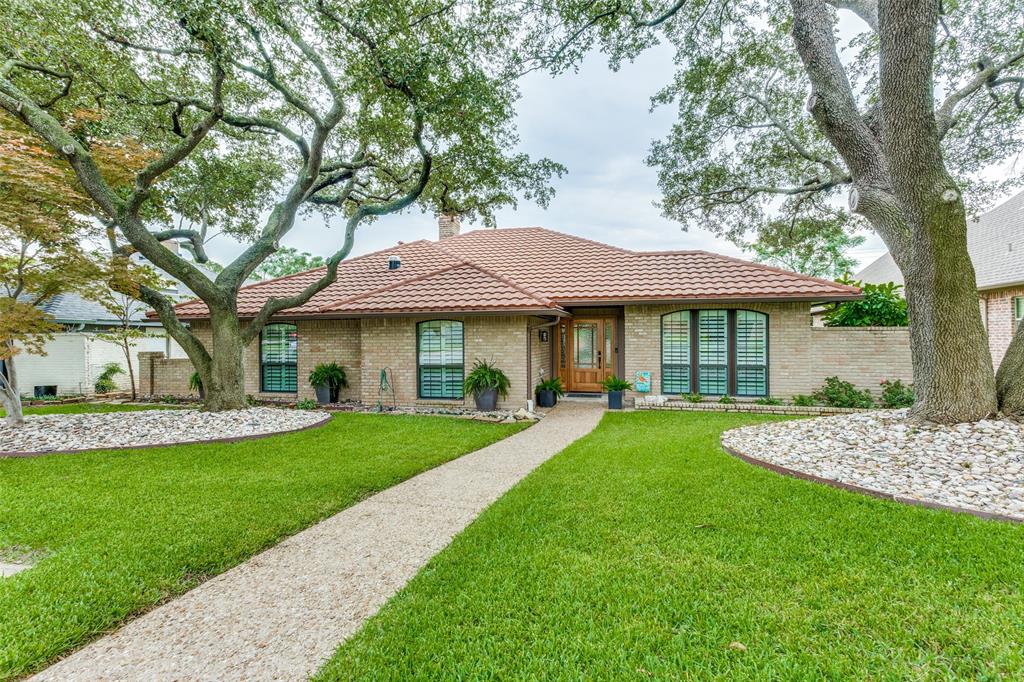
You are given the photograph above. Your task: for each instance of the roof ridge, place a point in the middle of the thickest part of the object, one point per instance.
(334, 305)
(549, 230)
(762, 266)
(504, 279)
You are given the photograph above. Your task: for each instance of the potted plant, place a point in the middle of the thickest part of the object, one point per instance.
(486, 382)
(195, 383)
(616, 387)
(327, 379)
(549, 391)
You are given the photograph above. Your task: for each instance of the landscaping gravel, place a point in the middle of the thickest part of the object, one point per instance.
(977, 466)
(58, 432)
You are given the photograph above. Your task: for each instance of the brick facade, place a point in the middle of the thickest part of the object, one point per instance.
(799, 356)
(997, 312)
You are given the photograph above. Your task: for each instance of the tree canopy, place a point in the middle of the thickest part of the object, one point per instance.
(287, 261)
(819, 247)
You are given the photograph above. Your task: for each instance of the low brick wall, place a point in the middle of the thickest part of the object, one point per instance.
(160, 375)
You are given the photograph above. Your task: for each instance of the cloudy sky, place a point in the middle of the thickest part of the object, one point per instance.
(598, 124)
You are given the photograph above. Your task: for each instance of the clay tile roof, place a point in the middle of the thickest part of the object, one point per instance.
(534, 269)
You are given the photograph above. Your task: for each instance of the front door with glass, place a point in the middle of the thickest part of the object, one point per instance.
(588, 353)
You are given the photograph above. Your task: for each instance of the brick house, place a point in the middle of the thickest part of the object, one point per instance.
(540, 303)
(995, 242)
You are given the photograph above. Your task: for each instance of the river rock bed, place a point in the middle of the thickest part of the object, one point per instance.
(57, 432)
(977, 466)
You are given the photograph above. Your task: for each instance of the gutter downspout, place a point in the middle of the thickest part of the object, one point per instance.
(529, 353)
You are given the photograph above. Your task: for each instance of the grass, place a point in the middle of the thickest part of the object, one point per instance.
(82, 408)
(118, 532)
(645, 552)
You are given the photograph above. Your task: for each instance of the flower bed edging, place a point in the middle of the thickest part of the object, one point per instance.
(792, 473)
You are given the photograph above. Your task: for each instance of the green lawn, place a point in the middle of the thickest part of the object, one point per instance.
(119, 532)
(643, 552)
(81, 408)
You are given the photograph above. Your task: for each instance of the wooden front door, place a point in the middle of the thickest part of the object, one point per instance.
(592, 352)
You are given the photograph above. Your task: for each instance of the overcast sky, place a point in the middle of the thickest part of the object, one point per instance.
(595, 122)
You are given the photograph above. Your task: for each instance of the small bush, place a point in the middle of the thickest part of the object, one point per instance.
(801, 400)
(613, 383)
(195, 383)
(727, 400)
(307, 404)
(839, 393)
(768, 401)
(105, 381)
(554, 384)
(896, 394)
(485, 376)
(693, 397)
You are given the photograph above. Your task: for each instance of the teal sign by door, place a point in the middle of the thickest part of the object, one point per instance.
(643, 382)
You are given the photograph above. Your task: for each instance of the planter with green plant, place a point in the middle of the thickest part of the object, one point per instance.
(105, 381)
(616, 388)
(195, 384)
(327, 379)
(549, 391)
(486, 382)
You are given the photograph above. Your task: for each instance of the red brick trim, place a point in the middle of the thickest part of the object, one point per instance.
(793, 473)
(316, 425)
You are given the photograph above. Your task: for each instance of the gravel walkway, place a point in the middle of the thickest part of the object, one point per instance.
(282, 614)
(90, 431)
(977, 466)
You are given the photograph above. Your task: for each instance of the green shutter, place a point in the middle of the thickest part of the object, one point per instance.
(675, 352)
(751, 353)
(713, 352)
(279, 353)
(439, 358)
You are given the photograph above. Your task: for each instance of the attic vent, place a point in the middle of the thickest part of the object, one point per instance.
(394, 262)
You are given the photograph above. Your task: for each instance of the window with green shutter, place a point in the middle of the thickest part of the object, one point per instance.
(440, 359)
(713, 352)
(279, 354)
(675, 352)
(751, 353)
(1018, 311)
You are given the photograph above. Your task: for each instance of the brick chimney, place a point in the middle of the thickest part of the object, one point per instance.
(447, 225)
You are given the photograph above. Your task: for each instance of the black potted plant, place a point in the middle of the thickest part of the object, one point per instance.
(549, 391)
(327, 379)
(195, 383)
(486, 382)
(616, 387)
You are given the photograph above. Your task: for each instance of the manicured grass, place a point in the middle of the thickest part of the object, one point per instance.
(643, 551)
(118, 532)
(83, 408)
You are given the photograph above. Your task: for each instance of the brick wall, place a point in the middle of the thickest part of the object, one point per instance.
(391, 343)
(800, 356)
(159, 375)
(997, 309)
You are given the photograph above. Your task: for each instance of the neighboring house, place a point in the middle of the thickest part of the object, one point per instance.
(541, 303)
(995, 242)
(76, 355)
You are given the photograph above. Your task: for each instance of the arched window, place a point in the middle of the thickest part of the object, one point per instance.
(439, 359)
(675, 352)
(279, 355)
(714, 352)
(751, 353)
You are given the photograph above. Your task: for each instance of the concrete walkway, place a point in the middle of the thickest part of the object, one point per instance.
(282, 614)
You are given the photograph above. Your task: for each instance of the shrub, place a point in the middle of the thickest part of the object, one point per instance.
(801, 400)
(896, 394)
(882, 306)
(195, 383)
(328, 374)
(613, 383)
(768, 401)
(693, 397)
(553, 384)
(839, 393)
(307, 404)
(105, 380)
(484, 376)
(727, 400)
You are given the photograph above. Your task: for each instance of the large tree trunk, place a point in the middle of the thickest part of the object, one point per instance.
(10, 396)
(223, 378)
(1010, 377)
